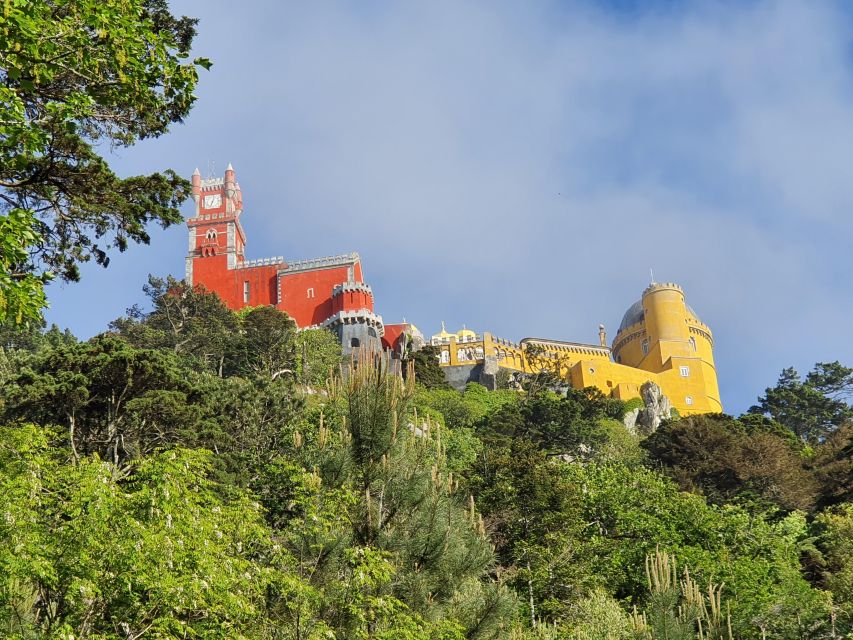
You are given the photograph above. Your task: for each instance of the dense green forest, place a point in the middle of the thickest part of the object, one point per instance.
(195, 472)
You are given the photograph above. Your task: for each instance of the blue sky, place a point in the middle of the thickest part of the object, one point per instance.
(519, 167)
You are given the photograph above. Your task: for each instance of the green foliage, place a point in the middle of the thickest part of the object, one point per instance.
(189, 321)
(107, 396)
(76, 75)
(266, 344)
(379, 508)
(408, 503)
(832, 466)
(426, 367)
(634, 403)
(727, 459)
(157, 554)
(836, 543)
(21, 291)
(632, 511)
(811, 408)
(532, 510)
(463, 409)
(676, 609)
(560, 425)
(318, 356)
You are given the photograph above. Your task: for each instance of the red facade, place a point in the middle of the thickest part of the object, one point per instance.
(327, 291)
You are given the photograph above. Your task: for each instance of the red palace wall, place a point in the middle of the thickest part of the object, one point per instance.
(295, 290)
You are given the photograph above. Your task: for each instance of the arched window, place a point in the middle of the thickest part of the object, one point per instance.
(371, 332)
(211, 234)
(354, 342)
(645, 347)
(692, 343)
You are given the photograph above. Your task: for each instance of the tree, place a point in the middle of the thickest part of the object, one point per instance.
(188, 320)
(811, 408)
(158, 554)
(427, 370)
(532, 512)
(73, 76)
(835, 540)
(267, 344)
(406, 502)
(318, 356)
(560, 425)
(726, 459)
(109, 397)
(832, 466)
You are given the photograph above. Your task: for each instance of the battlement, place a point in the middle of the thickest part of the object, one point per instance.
(347, 287)
(322, 263)
(568, 347)
(211, 184)
(259, 262)
(361, 316)
(662, 286)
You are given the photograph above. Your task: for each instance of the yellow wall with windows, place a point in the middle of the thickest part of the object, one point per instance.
(660, 340)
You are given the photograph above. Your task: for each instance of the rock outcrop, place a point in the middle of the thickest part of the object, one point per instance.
(646, 420)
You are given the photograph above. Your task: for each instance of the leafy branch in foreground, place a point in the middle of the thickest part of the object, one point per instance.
(75, 75)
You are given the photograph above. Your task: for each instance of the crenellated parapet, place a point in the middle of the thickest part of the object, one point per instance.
(322, 263)
(361, 316)
(261, 262)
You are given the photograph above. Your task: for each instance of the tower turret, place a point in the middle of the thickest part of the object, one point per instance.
(230, 182)
(661, 333)
(196, 185)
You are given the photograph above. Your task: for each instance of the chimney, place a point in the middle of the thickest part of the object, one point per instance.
(602, 336)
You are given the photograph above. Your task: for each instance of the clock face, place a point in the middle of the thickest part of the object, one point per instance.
(212, 201)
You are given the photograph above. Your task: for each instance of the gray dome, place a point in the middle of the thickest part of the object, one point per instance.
(693, 313)
(635, 314)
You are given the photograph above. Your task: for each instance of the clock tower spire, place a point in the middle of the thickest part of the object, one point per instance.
(216, 237)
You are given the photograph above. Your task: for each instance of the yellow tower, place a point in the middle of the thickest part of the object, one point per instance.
(661, 334)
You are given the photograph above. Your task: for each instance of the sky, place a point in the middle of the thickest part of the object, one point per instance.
(520, 167)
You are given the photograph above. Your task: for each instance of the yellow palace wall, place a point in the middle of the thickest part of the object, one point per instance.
(667, 345)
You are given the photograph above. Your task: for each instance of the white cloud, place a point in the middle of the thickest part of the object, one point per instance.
(521, 170)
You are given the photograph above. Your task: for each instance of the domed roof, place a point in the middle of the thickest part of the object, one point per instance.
(443, 333)
(635, 314)
(464, 332)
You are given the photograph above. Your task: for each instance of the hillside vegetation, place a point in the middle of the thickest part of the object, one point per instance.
(199, 473)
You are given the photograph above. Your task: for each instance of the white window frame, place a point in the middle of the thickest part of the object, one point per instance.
(688, 401)
(685, 371)
(246, 291)
(310, 292)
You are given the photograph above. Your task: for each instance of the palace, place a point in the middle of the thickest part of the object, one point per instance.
(660, 339)
(320, 292)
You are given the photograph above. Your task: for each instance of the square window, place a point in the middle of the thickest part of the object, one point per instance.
(685, 371)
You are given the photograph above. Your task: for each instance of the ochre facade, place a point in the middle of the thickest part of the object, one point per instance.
(660, 340)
